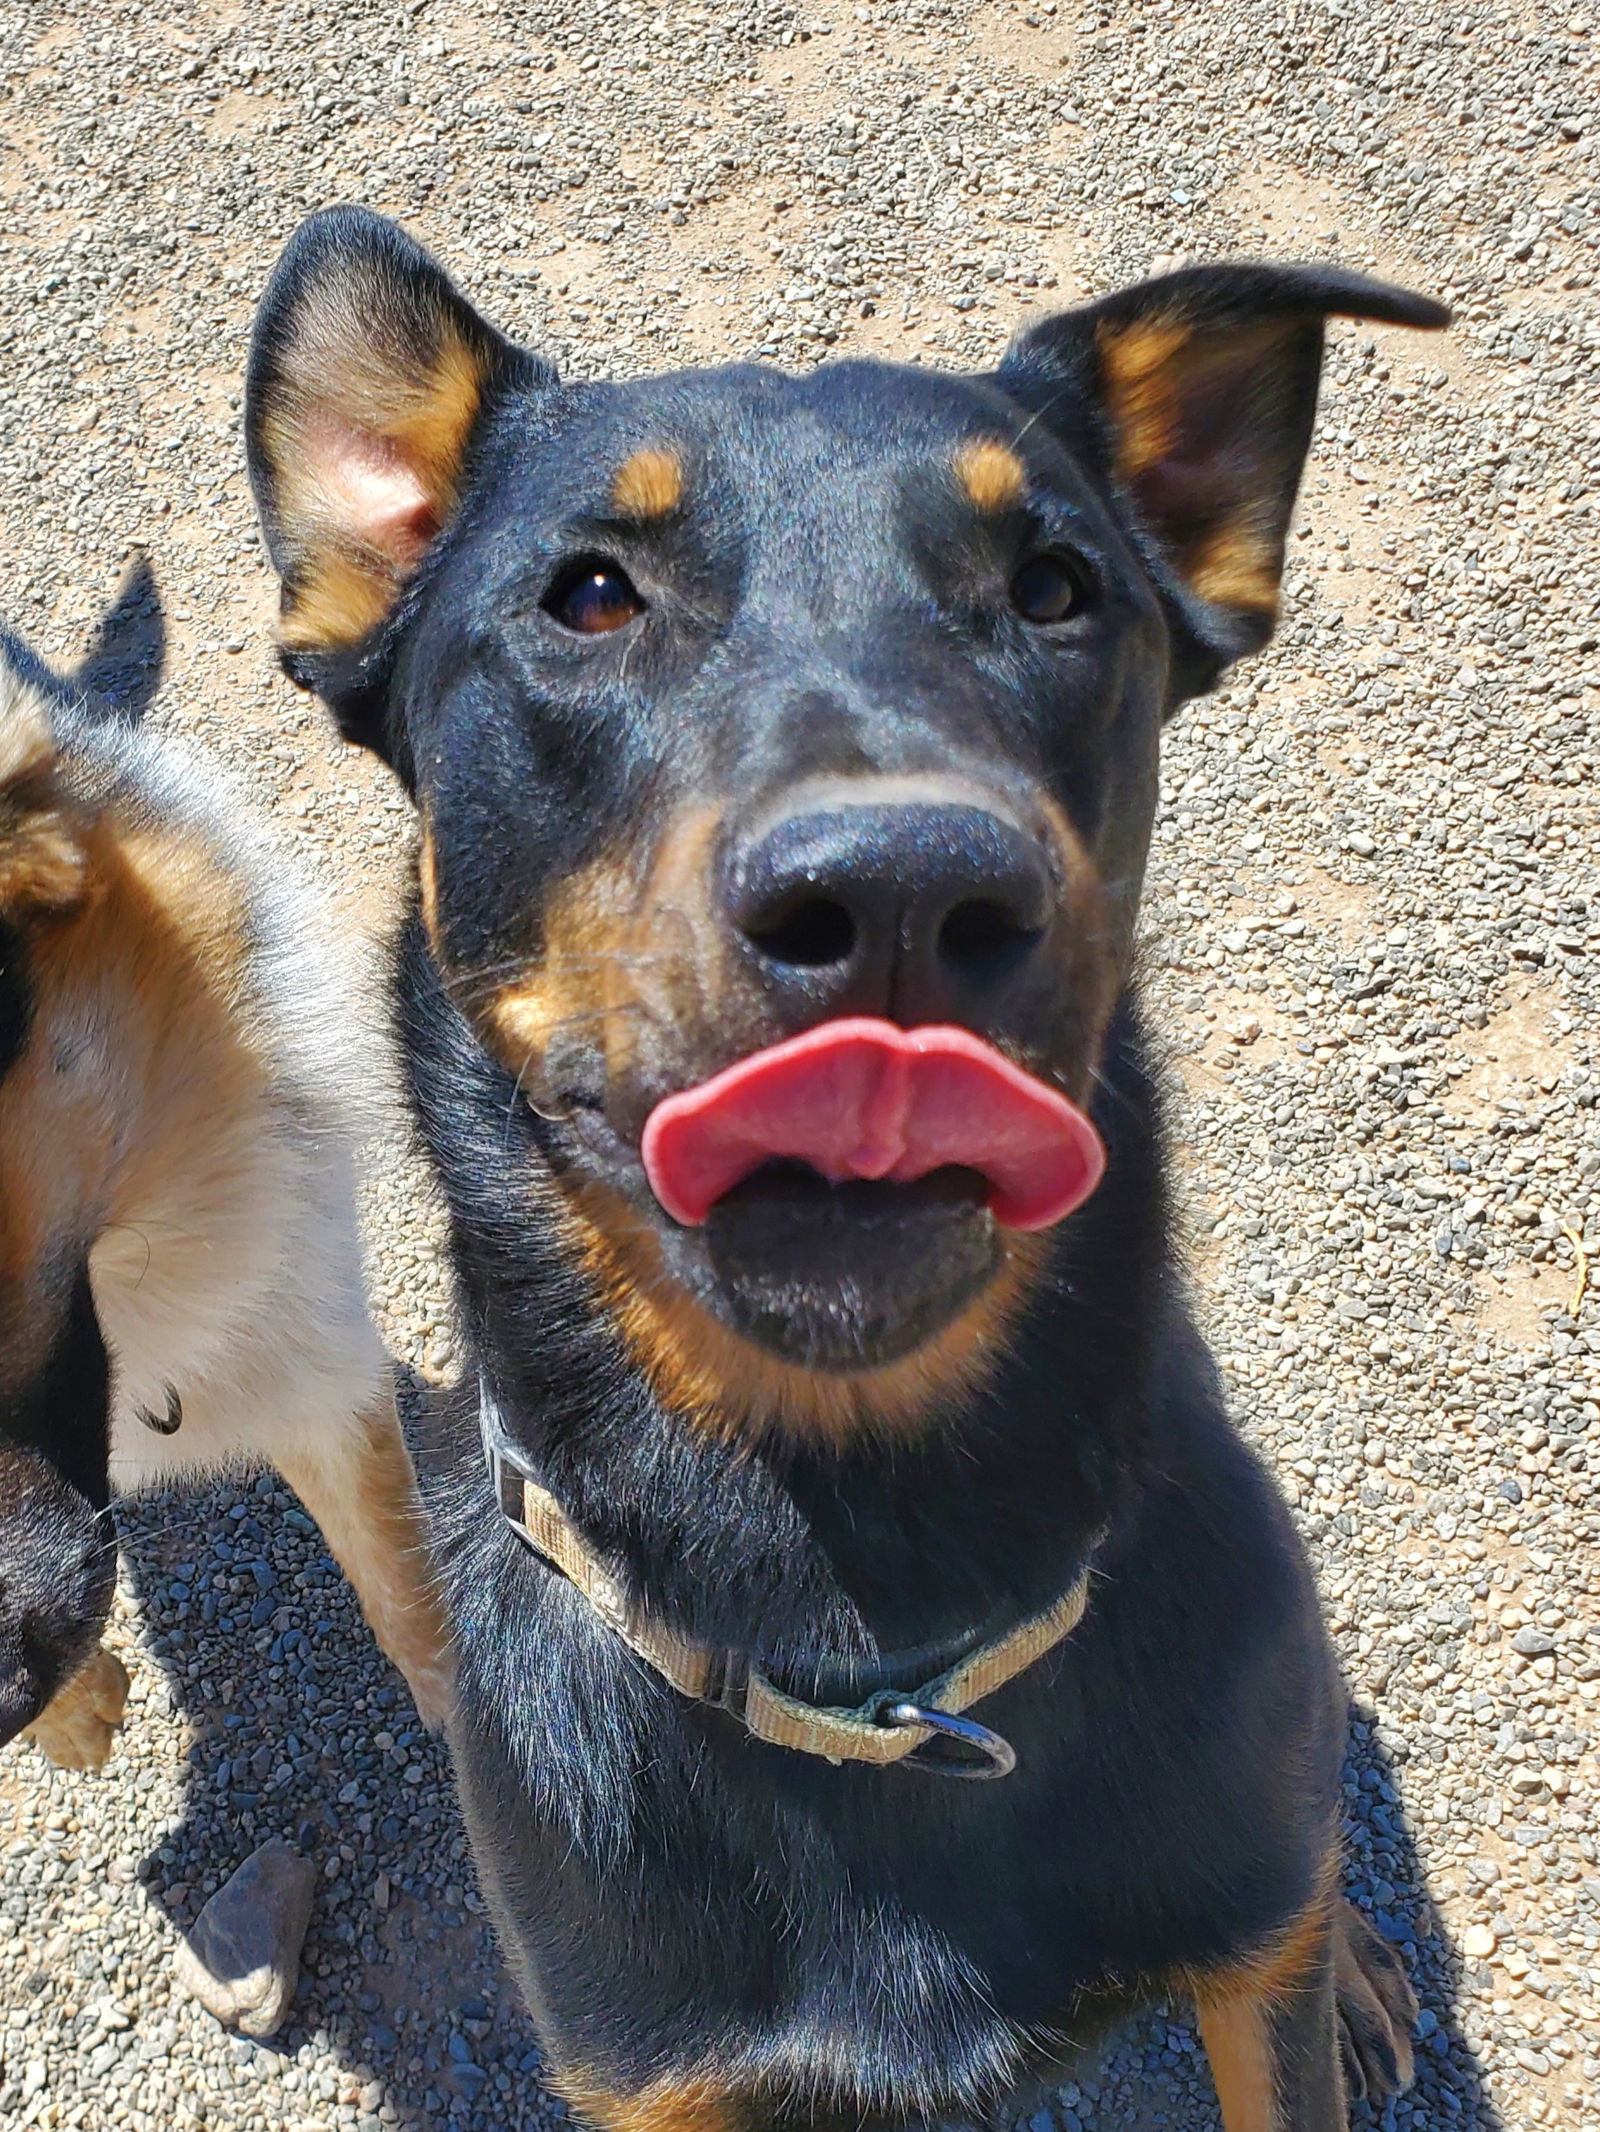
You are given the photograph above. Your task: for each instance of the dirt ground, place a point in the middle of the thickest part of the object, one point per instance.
(1369, 919)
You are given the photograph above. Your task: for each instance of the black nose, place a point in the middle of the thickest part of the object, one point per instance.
(918, 912)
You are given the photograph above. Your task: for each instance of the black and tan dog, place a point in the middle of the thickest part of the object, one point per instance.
(785, 751)
(180, 1270)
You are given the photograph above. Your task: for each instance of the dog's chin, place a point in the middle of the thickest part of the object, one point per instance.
(851, 1276)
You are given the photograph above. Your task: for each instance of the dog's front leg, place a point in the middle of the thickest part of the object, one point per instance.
(1292, 2034)
(359, 1485)
(1274, 2052)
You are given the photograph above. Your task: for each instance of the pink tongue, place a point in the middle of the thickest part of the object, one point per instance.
(863, 1098)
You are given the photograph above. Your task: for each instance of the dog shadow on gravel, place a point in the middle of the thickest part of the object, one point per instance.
(301, 1730)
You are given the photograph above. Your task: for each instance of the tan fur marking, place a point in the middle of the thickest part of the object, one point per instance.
(428, 888)
(1091, 978)
(727, 1386)
(991, 474)
(581, 976)
(624, 959)
(1149, 368)
(1273, 1971)
(664, 2106)
(41, 845)
(1238, 2045)
(1139, 393)
(1237, 565)
(648, 485)
(154, 948)
(362, 1491)
(1236, 2004)
(621, 950)
(76, 1728)
(338, 603)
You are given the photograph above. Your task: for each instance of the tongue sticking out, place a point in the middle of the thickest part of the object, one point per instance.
(862, 1098)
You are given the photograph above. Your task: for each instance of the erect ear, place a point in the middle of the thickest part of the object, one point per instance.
(44, 868)
(1198, 391)
(368, 373)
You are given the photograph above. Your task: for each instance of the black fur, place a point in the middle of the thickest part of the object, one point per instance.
(58, 1558)
(682, 1903)
(1179, 1758)
(16, 996)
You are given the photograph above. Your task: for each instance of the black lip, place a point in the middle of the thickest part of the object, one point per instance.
(849, 1276)
(795, 1188)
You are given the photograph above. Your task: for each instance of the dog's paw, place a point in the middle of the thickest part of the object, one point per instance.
(1377, 2010)
(77, 1726)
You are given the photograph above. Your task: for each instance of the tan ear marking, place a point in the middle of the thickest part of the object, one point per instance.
(43, 865)
(991, 474)
(1135, 361)
(368, 461)
(649, 484)
(339, 602)
(1236, 566)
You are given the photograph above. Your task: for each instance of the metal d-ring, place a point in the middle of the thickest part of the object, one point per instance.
(998, 1756)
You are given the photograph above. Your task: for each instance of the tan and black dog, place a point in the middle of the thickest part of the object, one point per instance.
(785, 751)
(181, 1291)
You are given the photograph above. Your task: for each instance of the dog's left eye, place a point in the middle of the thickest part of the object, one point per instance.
(593, 597)
(1050, 588)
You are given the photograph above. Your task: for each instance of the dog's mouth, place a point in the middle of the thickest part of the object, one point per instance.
(850, 1186)
(863, 1100)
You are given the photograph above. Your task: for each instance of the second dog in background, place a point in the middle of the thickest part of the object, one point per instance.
(181, 1287)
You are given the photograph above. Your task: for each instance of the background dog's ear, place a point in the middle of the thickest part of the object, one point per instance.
(368, 375)
(44, 868)
(127, 656)
(1200, 390)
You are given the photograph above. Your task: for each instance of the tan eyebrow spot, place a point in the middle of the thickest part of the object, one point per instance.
(648, 485)
(991, 473)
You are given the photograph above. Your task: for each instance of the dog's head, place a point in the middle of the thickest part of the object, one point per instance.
(785, 751)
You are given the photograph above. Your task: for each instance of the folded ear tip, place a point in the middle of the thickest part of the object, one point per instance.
(1228, 292)
(1347, 295)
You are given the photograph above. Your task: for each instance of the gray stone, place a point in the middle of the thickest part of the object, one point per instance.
(242, 1958)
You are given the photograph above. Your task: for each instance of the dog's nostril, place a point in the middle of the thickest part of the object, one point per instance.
(984, 939)
(810, 935)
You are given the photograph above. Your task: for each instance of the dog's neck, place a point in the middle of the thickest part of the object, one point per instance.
(771, 1543)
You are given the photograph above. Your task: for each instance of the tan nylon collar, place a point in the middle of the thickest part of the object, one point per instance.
(727, 1678)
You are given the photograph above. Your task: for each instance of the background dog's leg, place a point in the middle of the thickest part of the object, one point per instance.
(359, 1486)
(76, 1727)
(1272, 2034)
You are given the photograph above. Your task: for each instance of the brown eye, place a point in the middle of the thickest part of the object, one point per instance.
(1050, 588)
(592, 597)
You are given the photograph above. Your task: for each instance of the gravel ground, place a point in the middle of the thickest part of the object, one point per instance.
(1373, 917)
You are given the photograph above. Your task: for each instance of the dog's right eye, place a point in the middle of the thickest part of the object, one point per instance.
(591, 597)
(1050, 588)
